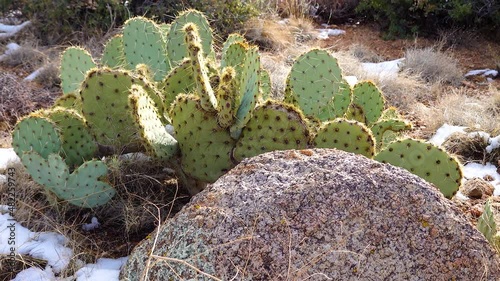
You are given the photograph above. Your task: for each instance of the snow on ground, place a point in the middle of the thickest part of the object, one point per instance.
(475, 170)
(11, 47)
(51, 247)
(7, 155)
(444, 132)
(325, 33)
(490, 74)
(386, 69)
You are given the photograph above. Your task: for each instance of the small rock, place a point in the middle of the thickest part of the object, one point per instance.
(477, 188)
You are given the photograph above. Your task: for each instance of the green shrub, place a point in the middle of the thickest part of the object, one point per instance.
(225, 16)
(408, 17)
(57, 21)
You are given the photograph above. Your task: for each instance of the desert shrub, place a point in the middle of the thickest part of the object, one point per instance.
(334, 10)
(225, 16)
(57, 21)
(407, 17)
(433, 66)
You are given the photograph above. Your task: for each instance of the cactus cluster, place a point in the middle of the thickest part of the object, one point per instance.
(155, 75)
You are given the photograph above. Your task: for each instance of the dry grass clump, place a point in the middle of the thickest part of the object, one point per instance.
(273, 35)
(457, 108)
(18, 98)
(468, 147)
(433, 66)
(49, 76)
(28, 58)
(364, 53)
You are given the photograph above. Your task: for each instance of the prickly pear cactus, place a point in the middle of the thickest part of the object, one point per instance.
(248, 91)
(346, 135)
(113, 55)
(274, 126)
(156, 140)
(179, 81)
(265, 84)
(486, 223)
(83, 188)
(176, 45)
(231, 39)
(368, 98)
(36, 133)
(205, 147)
(426, 161)
(143, 42)
(78, 143)
(75, 62)
(313, 83)
(234, 56)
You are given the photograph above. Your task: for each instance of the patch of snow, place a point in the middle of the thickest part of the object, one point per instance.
(170, 130)
(42, 245)
(461, 196)
(11, 47)
(103, 270)
(475, 170)
(444, 132)
(94, 224)
(324, 33)
(482, 72)
(7, 31)
(383, 69)
(351, 80)
(34, 74)
(7, 157)
(493, 143)
(35, 274)
(284, 21)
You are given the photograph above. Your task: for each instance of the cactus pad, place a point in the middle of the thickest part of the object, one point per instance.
(106, 107)
(75, 62)
(234, 56)
(426, 161)
(200, 69)
(346, 135)
(380, 127)
(265, 84)
(69, 101)
(156, 140)
(176, 46)
(339, 104)
(369, 98)
(36, 133)
(274, 126)
(249, 91)
(78, 144)
(314, 79)
(180, 80)
(143, 42)
(226, 98)
(205, 147)
(231, 39)
(81, 188)
(113, 55)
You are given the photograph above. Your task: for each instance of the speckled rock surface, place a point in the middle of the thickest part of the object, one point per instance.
(316, 215)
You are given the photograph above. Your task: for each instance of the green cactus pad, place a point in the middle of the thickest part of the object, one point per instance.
(156, 140)
(426, 161)
(81, 188)
(313, 81)
(486, 223)
(231, 39)
(205, 147)
(249, 91)
(265, 84)
(369, 98)
(176, 46)
(36, 133)
(113, 55)
(78, 143)
(346, 135)
(274, 126)
(75, 62)
(69, 101)
(179, 81)
(380, 127)
(106, 107)
(200, 70)
(234, 56)
(338, 106)
(143, 42)
(226, 98)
